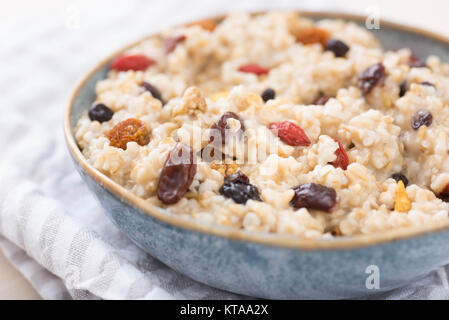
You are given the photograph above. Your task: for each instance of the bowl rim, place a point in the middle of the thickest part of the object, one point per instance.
(273, 240)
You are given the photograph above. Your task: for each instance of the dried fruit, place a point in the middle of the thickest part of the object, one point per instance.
(313, 35)
(268, 94)
(371, 77)
(134, 62)
(238, 188)
(403, 87)
(322, 100)
(338, 47)
(100, 112)
(221, 126)
(314, 196)
(400, 177)
(421, 118)
(206, 24)
(444, 195)
(342, 160)
(415, 62)
(171, 43)
(153, 90)
(177, 174)
(427, 83)
(127, 131)
(254, 68)
(401, 201)
(290, 133)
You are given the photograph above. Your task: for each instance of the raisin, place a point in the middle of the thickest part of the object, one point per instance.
(444, 195)
(421, 118)
(342, 160)
(136, 62)
(153, 90)
(100, 112)
(314, 196)
(415, 62)
(254, 68)
(313, 35)
(171, 43)
(339, 48)
(268, 94)
(238, 188)
(427, 83)
(400, 177)
(127, 131)
(371, 77)
(177, 174)
(219, 128)
(206, 24)
(403, 87)
(322, 100)
(290, 133)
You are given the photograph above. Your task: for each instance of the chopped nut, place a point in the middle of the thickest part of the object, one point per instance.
(225, 169)
(192, 103)
(401, 202)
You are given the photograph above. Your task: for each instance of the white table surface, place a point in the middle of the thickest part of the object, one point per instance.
(430, 14)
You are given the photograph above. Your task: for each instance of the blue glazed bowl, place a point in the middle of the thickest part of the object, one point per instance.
(261, 265)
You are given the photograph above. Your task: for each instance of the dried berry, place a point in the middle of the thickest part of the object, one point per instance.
(427, 83)
(100, 112)
(171, 43)
(134, 62)
(176, 175)
(268, 94)
(421, 118)
(339, 48)
(444, 195)
(290, 133)
(127, 131)
(400, 177)
(342, 160)
(403, 87)
(415, 62)
(254, 68)
(371, 77)
(238, 188)
(322, 100)
(313, 35)
(219, 128)
(206, 24)
(153, 90)
(314, 196)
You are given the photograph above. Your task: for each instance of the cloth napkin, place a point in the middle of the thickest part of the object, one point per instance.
(51, 228)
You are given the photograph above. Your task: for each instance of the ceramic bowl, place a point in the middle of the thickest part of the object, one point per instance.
(261, 265)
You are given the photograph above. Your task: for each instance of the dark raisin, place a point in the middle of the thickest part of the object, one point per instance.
(400, 177)
(314, 196)
(339, 48)
(403, 87)
(221, 126)
(268, 94)
(177, 174)
(427, 83)
(371, 77)
(238, 188)
(153, 90)
(415, 62)
(421, 118)
(444, 195)
(100, 112)
(322, 100)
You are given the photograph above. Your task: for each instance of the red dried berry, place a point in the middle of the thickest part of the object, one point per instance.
(136, 62)
(415, 62)
(290, 133)
(171, 43)
(254, 68)
(371, 77)
(177, 174)
(342, 160)
(314, 196)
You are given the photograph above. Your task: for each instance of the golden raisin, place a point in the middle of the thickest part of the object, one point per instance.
(401, 201)
(206, 24)
(127, 131)
(313, 35)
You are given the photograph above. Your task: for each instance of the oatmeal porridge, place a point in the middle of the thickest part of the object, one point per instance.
(276, 123)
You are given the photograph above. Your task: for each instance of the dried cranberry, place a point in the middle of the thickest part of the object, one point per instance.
(421, 118)
(134, 62)
(268, 94)
(171, 43)
(254, 68)
(403, 87)
(338, 47)
(444, 195)
(342, 160)
(314, 196)
(238, 188)
(415, 62)
(400, 177)
(371, 77)
(177, 174)
(100, 112)
(322, 100)
(219, 128)
(153, 90)
(290, 133)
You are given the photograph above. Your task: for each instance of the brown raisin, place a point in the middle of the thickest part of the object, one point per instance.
(177, 174)
(219, 128)
(153, 90)
(171, 43)
(314, 196)
(400, 177)
(338, 47)
(403, 87)
(371, 77)
(127, 131)
(322, 100)
(421, 118)
(444, 195)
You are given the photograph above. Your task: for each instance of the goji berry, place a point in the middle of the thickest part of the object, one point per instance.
(136, 62)
(342, 160)
(254, 68)
(290, 133)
